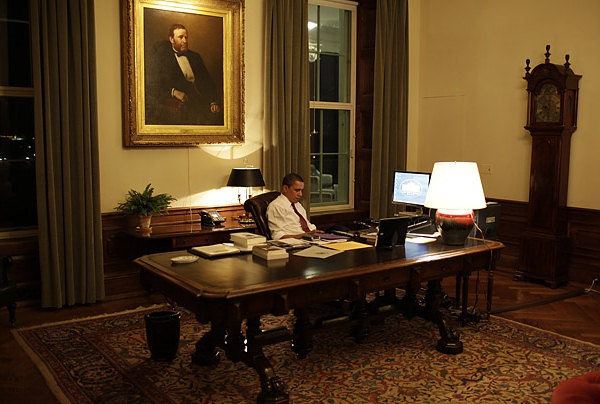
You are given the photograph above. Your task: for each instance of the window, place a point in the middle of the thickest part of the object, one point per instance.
(17, 151)
(331, 47)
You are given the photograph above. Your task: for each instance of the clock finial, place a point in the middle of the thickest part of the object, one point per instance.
(547, 54)
(527, 67)
(567, 64)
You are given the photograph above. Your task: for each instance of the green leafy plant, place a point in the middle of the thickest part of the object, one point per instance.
(145, 203)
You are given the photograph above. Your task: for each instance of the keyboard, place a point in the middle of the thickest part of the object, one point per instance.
(426, 228)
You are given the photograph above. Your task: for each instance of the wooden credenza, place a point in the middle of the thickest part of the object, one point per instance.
(178, 230)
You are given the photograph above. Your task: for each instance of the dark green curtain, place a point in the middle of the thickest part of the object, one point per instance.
(390, 102)
(286, 138)
(69, 223)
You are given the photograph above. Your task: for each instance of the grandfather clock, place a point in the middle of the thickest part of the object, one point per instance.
(551, 119)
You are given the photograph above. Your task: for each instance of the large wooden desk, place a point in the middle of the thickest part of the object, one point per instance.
(226, 291)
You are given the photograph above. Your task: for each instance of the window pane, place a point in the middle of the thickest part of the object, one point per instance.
(15, 44)
(329, 54)
(330, 157)
(17, 163)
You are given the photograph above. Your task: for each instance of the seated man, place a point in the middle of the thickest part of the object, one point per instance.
(286, 216)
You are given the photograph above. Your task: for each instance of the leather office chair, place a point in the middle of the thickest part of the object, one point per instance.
(8, 290)
(257, 206)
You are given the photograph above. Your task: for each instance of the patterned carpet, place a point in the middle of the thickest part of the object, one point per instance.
(105, 359)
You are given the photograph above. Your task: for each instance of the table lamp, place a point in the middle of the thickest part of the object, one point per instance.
(455, 190)
(247, 178)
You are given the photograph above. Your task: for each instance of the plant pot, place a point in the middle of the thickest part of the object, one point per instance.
(162, 334)
(143, 225)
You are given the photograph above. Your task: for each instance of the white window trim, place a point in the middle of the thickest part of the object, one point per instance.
(350, 106)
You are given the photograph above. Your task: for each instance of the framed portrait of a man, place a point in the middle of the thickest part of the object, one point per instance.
(182, 72)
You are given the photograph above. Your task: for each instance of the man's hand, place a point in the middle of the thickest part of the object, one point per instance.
(180, 95)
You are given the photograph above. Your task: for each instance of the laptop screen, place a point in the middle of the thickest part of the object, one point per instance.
(392, 232)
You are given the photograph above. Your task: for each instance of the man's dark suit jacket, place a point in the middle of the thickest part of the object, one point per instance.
(163, 74)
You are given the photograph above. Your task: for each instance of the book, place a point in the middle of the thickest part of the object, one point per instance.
(214, 250)
(269, 252)
(246, 239)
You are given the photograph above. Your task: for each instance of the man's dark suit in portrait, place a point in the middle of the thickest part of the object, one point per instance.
(179, 88)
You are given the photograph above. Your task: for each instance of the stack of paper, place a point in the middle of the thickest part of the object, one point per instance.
(246, 240)
(269, 252)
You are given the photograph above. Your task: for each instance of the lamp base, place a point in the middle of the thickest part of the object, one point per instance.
(454, 226)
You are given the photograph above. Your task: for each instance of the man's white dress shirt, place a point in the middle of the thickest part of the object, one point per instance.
(282, 218)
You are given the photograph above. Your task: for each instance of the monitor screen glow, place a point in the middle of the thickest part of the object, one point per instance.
(410, 188)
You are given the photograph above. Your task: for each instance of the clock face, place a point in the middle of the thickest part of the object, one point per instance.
(547, 104)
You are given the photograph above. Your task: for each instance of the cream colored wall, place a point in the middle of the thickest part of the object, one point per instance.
(195, 175)
(467, 100)
(468, 97)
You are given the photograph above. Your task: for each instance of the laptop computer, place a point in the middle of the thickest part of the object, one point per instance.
(392, 232)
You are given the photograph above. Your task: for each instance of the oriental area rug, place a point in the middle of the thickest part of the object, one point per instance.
(105, 359)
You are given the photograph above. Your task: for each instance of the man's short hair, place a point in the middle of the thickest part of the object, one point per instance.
(290, 179)
(174, 27)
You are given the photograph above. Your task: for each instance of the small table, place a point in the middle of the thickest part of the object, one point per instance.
(226, 291)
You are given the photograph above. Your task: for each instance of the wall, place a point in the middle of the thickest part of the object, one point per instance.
(468, 97)
(195, 175)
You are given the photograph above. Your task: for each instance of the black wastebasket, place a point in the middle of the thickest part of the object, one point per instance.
(162, 334)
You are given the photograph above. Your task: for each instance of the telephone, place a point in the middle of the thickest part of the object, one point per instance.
(211, 218)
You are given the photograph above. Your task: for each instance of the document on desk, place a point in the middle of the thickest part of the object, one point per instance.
(347, 245)
(420, 240)
(316, 252)
(214, 250)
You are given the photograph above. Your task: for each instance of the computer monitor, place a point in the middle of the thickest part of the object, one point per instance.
(410, 188)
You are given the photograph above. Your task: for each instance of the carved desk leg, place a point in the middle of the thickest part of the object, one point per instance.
(206, 348)
(273, 390)
(449, 342)
(490, 285)
(361, 329)
(302, 339)
(464, 315)
(409, 301)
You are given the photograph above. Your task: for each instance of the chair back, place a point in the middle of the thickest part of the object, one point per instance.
(257, 206)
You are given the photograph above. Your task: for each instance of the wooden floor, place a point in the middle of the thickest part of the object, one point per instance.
(566, 310)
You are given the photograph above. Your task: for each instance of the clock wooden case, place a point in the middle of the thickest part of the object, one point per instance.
(551, 120)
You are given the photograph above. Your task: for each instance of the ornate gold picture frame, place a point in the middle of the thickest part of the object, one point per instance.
(183, 72)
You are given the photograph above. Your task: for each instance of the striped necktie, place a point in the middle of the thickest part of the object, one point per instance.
(303, 223)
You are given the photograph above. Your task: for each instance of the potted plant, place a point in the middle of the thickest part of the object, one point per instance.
(143, 205)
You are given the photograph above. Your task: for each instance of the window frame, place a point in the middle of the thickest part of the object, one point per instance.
(21, 92)
(349, 106)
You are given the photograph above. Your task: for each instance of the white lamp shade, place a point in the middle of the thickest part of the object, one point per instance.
(455, 186)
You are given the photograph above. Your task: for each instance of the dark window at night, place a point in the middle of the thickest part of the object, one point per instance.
(17, 133)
